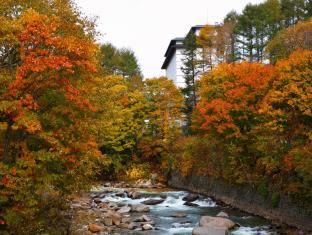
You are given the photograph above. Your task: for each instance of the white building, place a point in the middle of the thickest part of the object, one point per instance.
(174, 58)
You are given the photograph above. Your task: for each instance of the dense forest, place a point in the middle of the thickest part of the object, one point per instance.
(73, 111)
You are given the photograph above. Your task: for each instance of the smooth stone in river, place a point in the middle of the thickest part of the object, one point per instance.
(140, 208)
(190, 197)
(209, 231)
(153, 201)
(210, 221)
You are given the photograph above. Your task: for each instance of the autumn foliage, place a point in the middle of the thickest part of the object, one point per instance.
(230, 96)
(47, 149)
(253, 125)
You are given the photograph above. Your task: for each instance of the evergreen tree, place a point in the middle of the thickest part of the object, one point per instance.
(294, 11)
(190, 70)
(255, 27)
(231, 47)
(119, 61)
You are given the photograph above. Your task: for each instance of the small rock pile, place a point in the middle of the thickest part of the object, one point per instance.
(92, 215)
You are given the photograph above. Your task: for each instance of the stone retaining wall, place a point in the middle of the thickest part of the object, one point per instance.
(248, 199)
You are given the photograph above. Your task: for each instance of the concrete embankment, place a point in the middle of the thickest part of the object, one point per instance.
(247, 198)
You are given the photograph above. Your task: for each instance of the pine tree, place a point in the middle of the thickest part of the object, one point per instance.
(190, 70)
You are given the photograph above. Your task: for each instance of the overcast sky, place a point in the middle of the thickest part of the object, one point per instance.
(147, 26)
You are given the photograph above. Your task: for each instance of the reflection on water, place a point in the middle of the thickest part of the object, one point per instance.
(166, 224)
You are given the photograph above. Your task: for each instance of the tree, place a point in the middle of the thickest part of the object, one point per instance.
(118, 120)
(229, 98)
(164, 118)
(289, 40)
(230, 37)
(294, 11)
(47, 148)
(284, 138)
(119, 61)
(190, 69)
(207, 41)
(256, 25)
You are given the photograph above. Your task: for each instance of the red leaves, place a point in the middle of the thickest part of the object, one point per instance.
(5, 180)
(13, 171)
(28, 101)
(232, 92)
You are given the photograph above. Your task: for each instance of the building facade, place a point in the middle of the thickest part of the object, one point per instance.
(174, 58)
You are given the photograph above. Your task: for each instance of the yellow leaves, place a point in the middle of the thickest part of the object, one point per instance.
(29, 123)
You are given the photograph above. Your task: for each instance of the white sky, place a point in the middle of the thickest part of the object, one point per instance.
(147, 26)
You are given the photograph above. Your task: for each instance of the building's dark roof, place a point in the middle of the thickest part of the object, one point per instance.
(173, 45)
(196, 27)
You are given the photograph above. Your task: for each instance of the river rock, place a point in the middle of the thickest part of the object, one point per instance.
(210, 221)
(94, 228)
(190, 197)
(103, 205)
(107, 184)
(190, 204)
(129, 226)
(179, 215)
(143, 218)
(126, 220)
(115, 216)
(135, 195)
(124, 209)
(209, 231)
(140, 208)
(146, 218)
(153, 201)
(112, 205)
(108, 221)
(120, 194)
(222, 214)
(144, 184)
(97, 200)
(147, 227)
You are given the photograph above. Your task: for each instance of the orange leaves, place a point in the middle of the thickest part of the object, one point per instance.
(48, 58)
(13, 171)
(230, 96)
(5, 180)
(28, 101)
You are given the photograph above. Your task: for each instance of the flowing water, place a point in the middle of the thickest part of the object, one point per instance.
(166, 224)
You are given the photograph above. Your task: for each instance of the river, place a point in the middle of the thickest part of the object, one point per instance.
(165, 224)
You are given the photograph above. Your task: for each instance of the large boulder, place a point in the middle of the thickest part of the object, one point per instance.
(210, 221)
(153, 201)
(140, 208)
(190, 197)
(209, 231)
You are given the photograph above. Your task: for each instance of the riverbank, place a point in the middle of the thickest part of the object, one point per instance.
(285, 213)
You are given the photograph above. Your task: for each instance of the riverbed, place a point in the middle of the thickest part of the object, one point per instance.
(166, 223)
